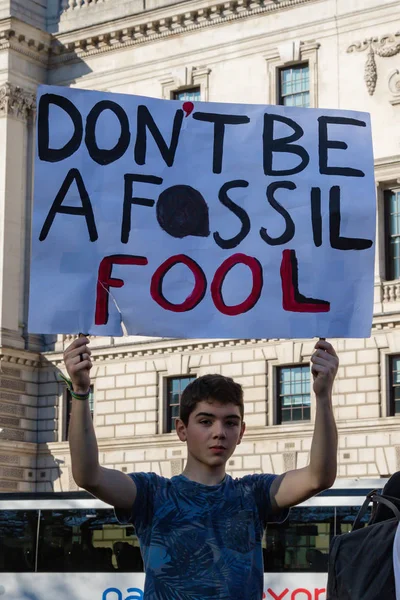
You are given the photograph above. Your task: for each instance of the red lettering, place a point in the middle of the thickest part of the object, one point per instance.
(318, 592)
(274, 596)
(301, 591)
(219, 277)
(105, 281)
(292, 300)
(199, 289)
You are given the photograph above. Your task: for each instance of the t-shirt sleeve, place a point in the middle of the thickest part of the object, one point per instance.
(261, 489)
(141, 513)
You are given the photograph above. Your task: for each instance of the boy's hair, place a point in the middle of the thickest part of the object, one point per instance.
(208, 388)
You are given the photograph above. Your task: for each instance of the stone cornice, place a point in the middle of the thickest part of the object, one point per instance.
(141, 29)
(165, 347)
(25, 39)
(155, 349)
(16, 102)
(19, 357)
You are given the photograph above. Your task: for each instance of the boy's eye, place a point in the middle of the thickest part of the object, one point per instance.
(231, 423)
(205, 421)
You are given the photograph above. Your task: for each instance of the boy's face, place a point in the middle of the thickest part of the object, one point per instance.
(213, 432)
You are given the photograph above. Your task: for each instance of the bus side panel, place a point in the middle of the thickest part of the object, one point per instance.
(126, 586)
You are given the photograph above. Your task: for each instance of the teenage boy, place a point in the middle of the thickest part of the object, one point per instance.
(200, 532)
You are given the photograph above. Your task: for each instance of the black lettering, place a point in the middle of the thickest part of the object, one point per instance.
(129, 200)
(84, 211)
(325, 144)
(284, 144)
(57, 154)
(219, 132)
(146, 122)
(237, 210)
(106, 156)
(182, 211)
(336, 240)
(316, 217)
(288, 234)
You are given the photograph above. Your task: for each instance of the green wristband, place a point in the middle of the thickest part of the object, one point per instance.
(74, 395)
(79, 396)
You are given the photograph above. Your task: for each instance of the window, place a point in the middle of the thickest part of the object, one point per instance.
(392, 218)
(18, 530)
(175, 387)
(190, 94)
(294, 86)
(69, 408)
(294, 402)
(86, 541)
(394, 399)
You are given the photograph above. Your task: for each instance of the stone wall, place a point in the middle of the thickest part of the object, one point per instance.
(129, 412)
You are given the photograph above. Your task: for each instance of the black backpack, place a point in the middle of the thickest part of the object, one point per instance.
(361, 562)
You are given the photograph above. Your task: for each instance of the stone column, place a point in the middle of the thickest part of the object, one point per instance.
(17, 108)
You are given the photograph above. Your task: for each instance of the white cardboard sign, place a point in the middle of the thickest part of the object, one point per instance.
(200, 219)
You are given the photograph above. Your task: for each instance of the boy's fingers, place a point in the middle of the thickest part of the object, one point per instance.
(78, 352)
(81, 341)
(324, 345)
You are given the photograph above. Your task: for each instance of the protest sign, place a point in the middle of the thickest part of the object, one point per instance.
(200, 219)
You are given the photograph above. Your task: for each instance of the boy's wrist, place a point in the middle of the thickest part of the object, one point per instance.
(80, 390)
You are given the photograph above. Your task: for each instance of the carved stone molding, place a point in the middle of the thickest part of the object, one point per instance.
(394, 86)
(185, 77)
(384, 46)
(16, 102)
(65, 49)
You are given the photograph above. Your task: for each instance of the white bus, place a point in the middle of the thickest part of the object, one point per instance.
(69, 546)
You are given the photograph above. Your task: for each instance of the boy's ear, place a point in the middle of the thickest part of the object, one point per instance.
(180, 429)
(242, 430)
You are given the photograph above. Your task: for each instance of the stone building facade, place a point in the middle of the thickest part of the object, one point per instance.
(342, 54)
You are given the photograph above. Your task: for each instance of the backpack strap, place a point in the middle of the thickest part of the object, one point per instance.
(373, 496)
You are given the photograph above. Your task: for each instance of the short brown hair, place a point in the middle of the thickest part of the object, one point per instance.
(210, 387)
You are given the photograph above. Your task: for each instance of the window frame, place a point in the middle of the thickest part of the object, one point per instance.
(167, 407)
(391, 396)
(184, 90)
(278, 403)
(185, 78)
(389, 271)
(277, 58)
(292, 66)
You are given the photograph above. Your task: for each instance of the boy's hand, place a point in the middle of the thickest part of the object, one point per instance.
(78, 364)
(324, 368)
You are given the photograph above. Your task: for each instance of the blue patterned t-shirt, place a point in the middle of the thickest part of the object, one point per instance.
(201, 542)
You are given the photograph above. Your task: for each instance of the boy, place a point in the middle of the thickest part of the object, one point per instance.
(200, 532)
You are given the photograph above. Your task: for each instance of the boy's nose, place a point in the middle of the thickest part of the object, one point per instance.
(219, 431)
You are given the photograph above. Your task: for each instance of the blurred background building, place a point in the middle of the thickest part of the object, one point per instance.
(312, 53)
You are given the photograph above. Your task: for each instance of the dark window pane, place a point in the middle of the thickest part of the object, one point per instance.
(301, 543)
(394, 385)
(392, 213)
(345, 517)
(175, 387)
(86, 541)
(18, 529)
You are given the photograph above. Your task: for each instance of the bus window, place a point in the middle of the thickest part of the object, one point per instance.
(301, 543)
(345, 517)
(18, 529)
(87, 541)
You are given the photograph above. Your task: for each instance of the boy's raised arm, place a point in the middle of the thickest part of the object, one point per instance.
(108, 485)
(294, 487)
